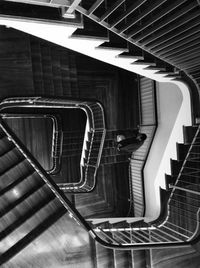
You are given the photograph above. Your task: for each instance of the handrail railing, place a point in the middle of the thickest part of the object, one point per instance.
(167, 233)
(72, 212)
(56, 137)
(50, 3)
(148, 125)
(180, 226)
(96, 134)
(116, 17)
(51, 12)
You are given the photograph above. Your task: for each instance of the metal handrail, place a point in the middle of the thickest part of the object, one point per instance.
(151, 235)
(92, 110)
(56, 140)
(165, 233)
(140, 156)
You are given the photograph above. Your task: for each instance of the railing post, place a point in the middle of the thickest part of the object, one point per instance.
(69, 12)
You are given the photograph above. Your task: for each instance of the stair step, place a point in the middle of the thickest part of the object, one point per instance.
(143, 62)
(56, 72)
(2, 134)
(80, 34)
(105, 256)
(23, 190)
(36, 66)
(64, 69)
(71, 152)
(91, 30)
(15, 182)
(113, 46)
(26, 212)
(136, 51)
(110, 151)
(169, 180)
(73, 76)
(5, 145)
(128, 55)
(155, 68)
(111, 159)
(33, 234)
(175, 167)
(139, 258)
(47, 69)
(182, 150)
(123, 258)
(23, 168)
(189, 133)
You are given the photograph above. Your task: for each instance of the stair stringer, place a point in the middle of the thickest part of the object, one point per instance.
(61, 35)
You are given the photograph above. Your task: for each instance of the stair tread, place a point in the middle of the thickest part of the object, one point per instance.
(23, 242)
(111, 46)
(10, 160)
(15, 182)
(105, 256)
(20, 192)
(88, 35)
(5, 145)
(25, 216)
(129, 55)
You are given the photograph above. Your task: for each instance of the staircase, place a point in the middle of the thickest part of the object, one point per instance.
(148, 125)
(99, 41)
(105, 257)
(93, 139)
(178, 223)
(29, 203)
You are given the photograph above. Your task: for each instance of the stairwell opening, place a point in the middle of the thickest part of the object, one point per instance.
(51, 134)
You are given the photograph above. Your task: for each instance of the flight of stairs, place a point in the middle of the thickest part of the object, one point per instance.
(72, 146)
(179, 214)
(27, 204)
(106, 257)
(110, 154)
(97, 42)
(182, 150)
(54, 70)
(121, 259)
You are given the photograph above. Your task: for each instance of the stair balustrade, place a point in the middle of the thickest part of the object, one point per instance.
(148, 125)
(115, 17)
(180, 225)
(56, 136)
(94, 136)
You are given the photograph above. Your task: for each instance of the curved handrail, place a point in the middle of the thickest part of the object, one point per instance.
(95, 117)
(167, 233)
(56, 139)
(102, 235)
(149, 236)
